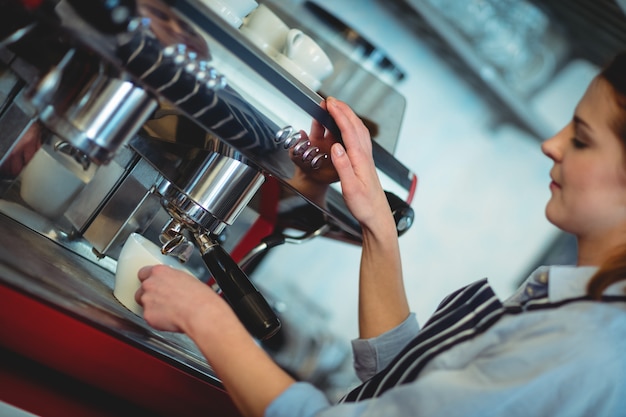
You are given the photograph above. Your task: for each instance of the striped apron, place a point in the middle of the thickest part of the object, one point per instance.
(461, 316)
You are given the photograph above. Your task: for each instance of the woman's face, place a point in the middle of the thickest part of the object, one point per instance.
(589, 174)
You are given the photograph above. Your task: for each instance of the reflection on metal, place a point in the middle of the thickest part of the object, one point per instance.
(302, 149)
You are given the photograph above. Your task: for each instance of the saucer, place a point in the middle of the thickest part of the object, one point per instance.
(293, 68)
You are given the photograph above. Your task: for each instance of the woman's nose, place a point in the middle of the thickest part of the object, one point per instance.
(547, 147)
(553, 147)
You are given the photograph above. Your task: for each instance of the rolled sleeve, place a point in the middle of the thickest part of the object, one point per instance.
(373, 355)
(299, 400)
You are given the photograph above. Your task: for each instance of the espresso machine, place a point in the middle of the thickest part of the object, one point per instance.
(151, 117)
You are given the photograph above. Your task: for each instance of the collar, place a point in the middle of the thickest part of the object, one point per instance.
(569, 281)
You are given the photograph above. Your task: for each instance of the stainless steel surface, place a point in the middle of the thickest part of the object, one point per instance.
(45, 271)
(87, 204)
(130, 208)
(94, 111)
(301, 148)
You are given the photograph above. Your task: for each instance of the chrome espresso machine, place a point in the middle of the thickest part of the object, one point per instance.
(158, 118)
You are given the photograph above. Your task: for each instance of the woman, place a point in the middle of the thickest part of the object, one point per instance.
(555, 348)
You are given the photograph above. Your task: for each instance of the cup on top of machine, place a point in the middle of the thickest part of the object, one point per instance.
(266, 30)
(232, 11)
(136, 253)
(305, 59)
(51, 181)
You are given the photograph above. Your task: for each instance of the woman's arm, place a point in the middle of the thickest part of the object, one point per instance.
(175, 301)
(382, 299)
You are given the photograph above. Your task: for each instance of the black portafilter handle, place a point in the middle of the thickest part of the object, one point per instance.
(247, 302)
(402, 212)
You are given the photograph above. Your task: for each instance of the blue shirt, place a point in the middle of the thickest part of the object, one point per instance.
(565, 361)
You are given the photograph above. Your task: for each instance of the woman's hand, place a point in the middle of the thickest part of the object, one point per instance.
(170, 297)
(360, 184)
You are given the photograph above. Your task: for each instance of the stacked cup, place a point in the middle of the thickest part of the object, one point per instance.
(292, 49)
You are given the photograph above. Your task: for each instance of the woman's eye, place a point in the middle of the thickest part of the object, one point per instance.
(578, 144)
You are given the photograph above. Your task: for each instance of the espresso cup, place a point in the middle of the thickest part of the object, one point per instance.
(232, 11)
(307, 54)
(136, 253)
(266, 30)
(51, 181)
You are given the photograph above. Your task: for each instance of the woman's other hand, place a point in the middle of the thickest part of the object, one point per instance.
(354, 163)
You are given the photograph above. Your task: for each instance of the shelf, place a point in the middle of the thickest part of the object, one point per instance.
(516, 99)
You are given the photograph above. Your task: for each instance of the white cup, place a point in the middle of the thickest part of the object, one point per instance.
(136, 253)
(51, 181)
(232, 11)
(266, 30)
(307, 54)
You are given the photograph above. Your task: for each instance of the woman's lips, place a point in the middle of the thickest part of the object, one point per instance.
(554, 186)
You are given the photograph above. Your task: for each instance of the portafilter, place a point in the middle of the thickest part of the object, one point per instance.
(202, 203)
(88, 105)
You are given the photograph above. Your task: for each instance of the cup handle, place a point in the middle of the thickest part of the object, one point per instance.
(294, 38)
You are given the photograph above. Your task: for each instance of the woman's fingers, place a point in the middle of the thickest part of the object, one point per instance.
(144, 273)
(342, 165)
(353, 131)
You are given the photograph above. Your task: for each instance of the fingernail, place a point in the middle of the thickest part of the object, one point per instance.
(337, 149)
